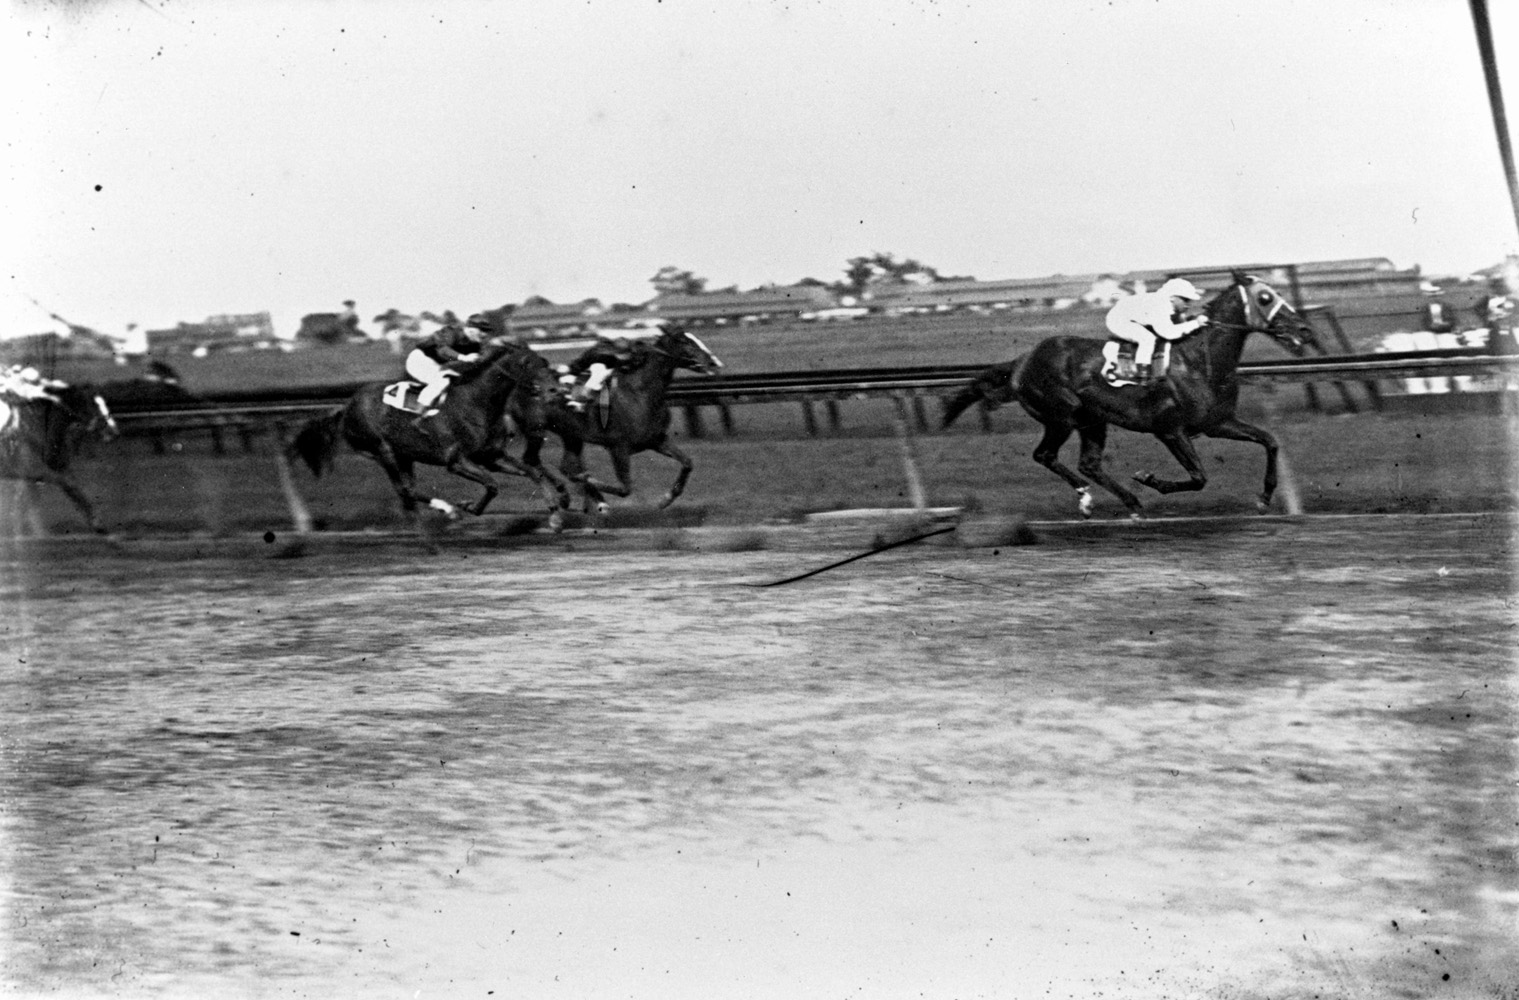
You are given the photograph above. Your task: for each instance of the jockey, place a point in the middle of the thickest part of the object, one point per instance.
(21, 385)
(597, 363)
(27, 383)
(1141, 318)
(433, 361)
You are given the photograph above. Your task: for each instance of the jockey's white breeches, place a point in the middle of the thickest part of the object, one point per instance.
(1135, 333)
(433, 376)
(596, 377)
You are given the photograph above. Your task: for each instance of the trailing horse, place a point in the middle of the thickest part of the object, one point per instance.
(636, 418)
(1059, 383)
(41, 445)
(467, 437)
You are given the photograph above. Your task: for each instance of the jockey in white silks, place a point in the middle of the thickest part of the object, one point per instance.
(23, 384)
(1142, 318)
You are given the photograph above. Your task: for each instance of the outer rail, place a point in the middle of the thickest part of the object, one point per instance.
(256, 410)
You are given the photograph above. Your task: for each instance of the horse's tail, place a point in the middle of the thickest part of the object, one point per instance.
(317, 442)
(991, 388)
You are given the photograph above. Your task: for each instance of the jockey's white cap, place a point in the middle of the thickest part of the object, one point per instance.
(1181, 288)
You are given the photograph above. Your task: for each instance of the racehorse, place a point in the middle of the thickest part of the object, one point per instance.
(41, 446)
(1059, 384)
(467, 437)
(636, 418)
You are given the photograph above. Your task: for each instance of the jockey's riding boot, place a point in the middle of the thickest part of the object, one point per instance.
(1142, 372)
(422, 421)
(577, 398)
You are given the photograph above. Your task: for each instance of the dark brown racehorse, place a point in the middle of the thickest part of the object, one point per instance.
(40, 447)
(636, 419)
(1060, 385)
(467, 437)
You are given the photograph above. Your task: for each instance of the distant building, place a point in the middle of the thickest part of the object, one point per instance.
(544, 320)
(1055, 292)
(227, 332)
(762, 305)
(43, 349)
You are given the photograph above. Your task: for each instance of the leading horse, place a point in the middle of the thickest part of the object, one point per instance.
(41, 445)
(467, 437)
(1059, 383)
(636, 418)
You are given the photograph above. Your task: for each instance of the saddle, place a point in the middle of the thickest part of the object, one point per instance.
(1118, 365)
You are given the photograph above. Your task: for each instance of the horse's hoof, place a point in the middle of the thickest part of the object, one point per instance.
(447, 509)
(1084, 502)
(666, 501)
(603, 508)
(556, 522)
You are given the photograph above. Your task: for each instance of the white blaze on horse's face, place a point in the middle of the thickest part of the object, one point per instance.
(714, 363)
(105, 412)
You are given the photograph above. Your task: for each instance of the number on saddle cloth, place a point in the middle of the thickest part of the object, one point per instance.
(403, 396)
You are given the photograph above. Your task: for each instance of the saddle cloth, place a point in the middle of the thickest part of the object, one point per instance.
(403, 396)
(1118, 361)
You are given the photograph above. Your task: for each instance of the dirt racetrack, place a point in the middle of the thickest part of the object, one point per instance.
(1240, 758)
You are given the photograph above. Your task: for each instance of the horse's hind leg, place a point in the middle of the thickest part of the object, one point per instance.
(1181, 447)
(1047, 454)
(1237, 430)
(1094, 438)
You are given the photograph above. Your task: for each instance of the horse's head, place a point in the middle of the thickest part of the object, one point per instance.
(685, 350)
(1252, 304)
(88, 409)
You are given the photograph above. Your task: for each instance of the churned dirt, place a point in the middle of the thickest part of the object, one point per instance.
(1242, 758)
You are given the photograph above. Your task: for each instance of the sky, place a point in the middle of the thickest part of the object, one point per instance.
(168, 160)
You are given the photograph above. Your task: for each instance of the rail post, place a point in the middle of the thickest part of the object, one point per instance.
(809, 419)
(909, 454)
(300, 514)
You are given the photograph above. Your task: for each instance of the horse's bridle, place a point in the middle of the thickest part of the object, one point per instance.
(655, 348)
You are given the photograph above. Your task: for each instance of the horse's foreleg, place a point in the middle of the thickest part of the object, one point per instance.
(465, 469)
(1237, 430)
(1181, 447)
(81, 501)
(679, 485)
(1047, 454)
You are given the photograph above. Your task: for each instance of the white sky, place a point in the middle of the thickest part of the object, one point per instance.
(286, 156)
